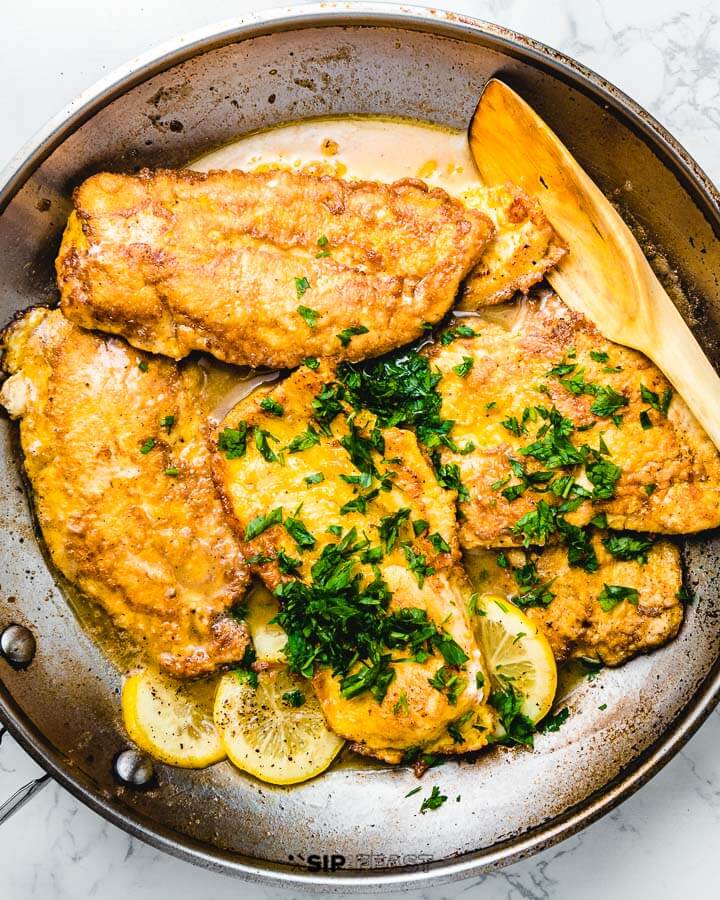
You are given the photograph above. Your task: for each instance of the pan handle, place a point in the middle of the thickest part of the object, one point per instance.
(22, 795)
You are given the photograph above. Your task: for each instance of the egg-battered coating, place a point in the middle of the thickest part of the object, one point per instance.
(574, 621)
(537, 357)
(295, 454)
(264, 268)
(525, 246)
(115, 449)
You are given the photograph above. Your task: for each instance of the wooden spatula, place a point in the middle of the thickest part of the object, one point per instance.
(605, 275)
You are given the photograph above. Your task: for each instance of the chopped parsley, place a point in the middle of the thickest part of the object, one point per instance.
(645, 420)
(659, 404)
(268, 405)
(517, 726)
(628, 547)
(603, 475)
(262, 442)
(513, 426)
(554, 722)
(599, 356)
(347, 334)
(287, 564)
(434, 801)
(148, 445)
(539, 595)
(167, 423)
(612, 594)
(389, 527)
(315, 478)
(439, 544)
(340, 620)
(448, 681)
(608, 401)
(259, 524)
(359, 503)
(233, 441)
(305, 440)
(452, 334)
(143, 366)
(294, 698)
(299, 533)
(417, 564)
(310, 316)
(463, 368)
(312, 362)
(172, 471)
(301, 285)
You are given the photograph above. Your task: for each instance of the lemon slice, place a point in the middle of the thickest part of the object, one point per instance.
(275, 731)
(172, 720)
(268, 639)
(516, 654)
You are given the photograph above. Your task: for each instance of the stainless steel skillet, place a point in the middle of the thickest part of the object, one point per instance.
(63, 708)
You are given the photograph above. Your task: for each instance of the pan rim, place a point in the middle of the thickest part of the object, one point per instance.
(659, 141)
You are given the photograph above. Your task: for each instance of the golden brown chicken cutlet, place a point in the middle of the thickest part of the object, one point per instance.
(523, 249)
(115, 450)
(347, 524)
(264, 268)
(624, 607)
(552, 419)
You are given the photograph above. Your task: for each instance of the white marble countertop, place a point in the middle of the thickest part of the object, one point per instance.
(661, 842)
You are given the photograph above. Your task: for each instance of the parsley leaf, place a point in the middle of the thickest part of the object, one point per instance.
(553, 723)
(260, 523)
(612, 594)
(310, 316)
(659, 404)
(628, 547)
(517, 726)
(434, 801)
(347, 334)
(390, 527)
(304, 440)
(301, 285)
(262, 439)
(299, 533)
(268, 405)
(294, 698)
(463, 368)
(417, 564)
(233, 441)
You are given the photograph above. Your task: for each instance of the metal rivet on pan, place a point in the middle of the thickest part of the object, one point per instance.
(134, 768)
(17, 645)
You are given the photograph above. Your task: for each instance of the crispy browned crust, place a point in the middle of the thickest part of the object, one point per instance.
(574, 622)
(176, 261)
(524, 249)
(670, 480)
(413, 713)
(153, 549)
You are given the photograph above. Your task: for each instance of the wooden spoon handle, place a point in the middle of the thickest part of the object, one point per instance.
(605, 276)
(678, 354)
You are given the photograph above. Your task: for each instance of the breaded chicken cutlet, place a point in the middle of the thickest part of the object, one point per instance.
(115, 451)
(264, 268)
(521, 252)
(630, 604)
(346, 522)
(551, 418)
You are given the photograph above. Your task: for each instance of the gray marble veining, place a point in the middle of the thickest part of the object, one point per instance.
(661, 842)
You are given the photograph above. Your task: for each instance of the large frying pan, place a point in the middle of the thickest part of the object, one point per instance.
(63, 708)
